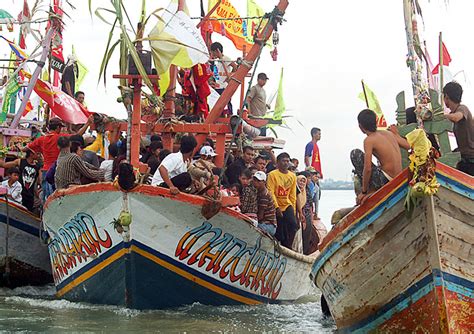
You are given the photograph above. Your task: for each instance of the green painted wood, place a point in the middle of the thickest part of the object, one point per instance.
(439, 126)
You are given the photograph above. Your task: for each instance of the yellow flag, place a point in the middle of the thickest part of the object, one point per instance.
(82, 71)
(280, 102)
(253, 24)
(373, 104)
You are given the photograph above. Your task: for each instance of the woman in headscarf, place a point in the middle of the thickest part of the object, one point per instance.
(301, 199)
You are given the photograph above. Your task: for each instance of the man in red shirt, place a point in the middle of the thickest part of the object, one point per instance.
(311, 152)
(48, 146)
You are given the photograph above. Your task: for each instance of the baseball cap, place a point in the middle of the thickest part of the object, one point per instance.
(207, 150)
(262, 76)
(261, 176)
(310, 169)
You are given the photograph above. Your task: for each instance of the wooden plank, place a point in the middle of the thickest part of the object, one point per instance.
(380, 251)
(363, 287)
(356, 246)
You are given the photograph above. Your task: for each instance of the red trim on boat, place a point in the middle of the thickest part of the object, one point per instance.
(146, 190)
(455, 174)
(369, 204)
(378, 196)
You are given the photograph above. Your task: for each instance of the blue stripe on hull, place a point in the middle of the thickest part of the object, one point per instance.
(20, 225)
(455, 186)
(410, 296)
(137, 282)
(146, 285)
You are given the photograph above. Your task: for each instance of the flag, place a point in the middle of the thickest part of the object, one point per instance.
(280, 102)
(24, 17)
(446, 60)
(175, 40)
(19, 53)
(373, 104)
(255, 10)
(431, 79)
(61, 104)
(232, 29)
(9, 97)
(82, 70)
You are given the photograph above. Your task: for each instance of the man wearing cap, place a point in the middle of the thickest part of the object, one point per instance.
(48, 146)
(266, 208)
(257, 98)
(201, 169)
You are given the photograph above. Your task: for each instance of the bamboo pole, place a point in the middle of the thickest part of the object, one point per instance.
(441, 74)
(365, 94)
(34, 78)
(170, 96)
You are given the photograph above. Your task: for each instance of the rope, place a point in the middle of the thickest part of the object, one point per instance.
(226, 19)
(7, 234)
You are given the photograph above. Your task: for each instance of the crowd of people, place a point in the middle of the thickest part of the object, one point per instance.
(281, 200)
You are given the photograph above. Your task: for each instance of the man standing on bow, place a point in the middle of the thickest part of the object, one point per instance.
(312, 157)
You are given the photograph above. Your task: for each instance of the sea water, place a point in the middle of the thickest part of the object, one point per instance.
(35, 309)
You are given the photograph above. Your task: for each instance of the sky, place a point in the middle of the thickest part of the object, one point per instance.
(326, 48)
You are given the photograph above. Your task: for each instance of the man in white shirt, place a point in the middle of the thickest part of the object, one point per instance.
(224, 67)
(107, 165)
(13, 185)
(173, 170)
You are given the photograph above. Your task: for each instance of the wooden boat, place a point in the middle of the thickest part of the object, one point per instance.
(170, 255)
(24, 258)
(382, 271)
(148, 249)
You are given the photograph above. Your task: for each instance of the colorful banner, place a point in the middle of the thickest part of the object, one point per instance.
(9, 97)
(232, 29)
(61, 104)
(373, 104)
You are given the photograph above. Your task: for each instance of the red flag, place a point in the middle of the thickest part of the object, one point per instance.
(24, 16)
(446, 59)
(61, 104)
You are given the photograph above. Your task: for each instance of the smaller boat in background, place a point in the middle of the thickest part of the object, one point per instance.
(24, 259)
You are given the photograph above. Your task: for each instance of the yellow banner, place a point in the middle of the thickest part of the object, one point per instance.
(232, 29)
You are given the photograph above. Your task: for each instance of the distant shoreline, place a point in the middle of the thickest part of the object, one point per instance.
(337, 188)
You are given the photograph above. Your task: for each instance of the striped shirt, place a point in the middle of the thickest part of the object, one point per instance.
(266, 208)
(70, 168)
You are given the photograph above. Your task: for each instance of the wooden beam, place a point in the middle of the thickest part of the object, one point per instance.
(238, 76)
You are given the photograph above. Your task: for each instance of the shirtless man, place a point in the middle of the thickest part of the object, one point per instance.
(384, 145)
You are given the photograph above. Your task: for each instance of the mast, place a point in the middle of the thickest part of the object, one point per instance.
(239, 75)
(419, 83)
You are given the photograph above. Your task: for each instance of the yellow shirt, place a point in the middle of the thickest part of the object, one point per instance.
(282, 187)
(97, 146)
